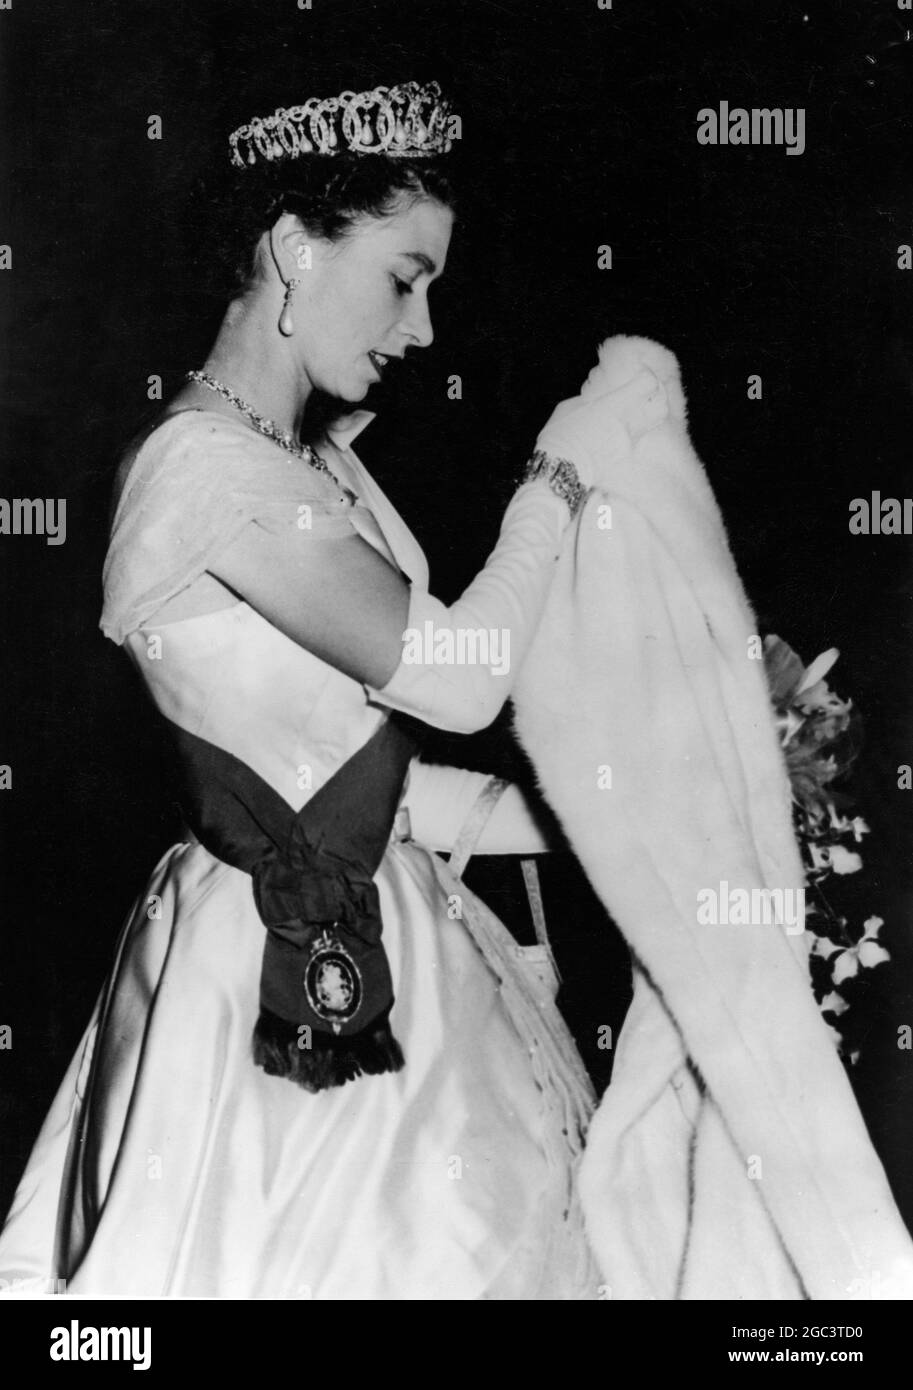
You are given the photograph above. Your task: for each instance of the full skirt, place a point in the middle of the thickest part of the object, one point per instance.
(170, 1165)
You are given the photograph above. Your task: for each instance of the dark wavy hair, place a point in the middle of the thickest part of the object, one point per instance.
(231, 209)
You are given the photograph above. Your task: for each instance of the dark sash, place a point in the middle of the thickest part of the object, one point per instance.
(325, 985)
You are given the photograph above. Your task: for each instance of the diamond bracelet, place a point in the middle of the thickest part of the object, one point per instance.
(561, 476)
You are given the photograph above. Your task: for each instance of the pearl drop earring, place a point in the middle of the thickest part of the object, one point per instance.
(286, 322)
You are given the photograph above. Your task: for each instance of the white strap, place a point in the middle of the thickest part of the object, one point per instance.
(475, 823)
(534, 893)
(468, 838)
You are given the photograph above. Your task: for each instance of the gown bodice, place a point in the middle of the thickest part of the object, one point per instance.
(229, 676)
(171, 1165)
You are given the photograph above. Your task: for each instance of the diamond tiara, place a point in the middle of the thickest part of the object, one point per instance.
(408, 121)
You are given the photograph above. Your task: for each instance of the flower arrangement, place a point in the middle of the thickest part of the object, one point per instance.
(820, 737)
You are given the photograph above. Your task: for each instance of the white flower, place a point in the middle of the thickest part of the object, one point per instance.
(823, 946)
(865, 953)
(845, 966)
(844, 861)
(834, 1003)
(844, 826)
(816, 673)
(788, 723)
(835, 858)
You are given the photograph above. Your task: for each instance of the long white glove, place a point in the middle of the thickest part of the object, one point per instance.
(440, 799)
(458, 663)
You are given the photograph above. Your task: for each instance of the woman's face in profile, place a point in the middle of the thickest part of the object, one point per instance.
(365, 299)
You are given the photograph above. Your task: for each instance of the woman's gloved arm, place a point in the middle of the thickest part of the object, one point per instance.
(440, 799)
(458, 662)
(334, 594)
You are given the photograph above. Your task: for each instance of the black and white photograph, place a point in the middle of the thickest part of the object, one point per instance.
(456, 757)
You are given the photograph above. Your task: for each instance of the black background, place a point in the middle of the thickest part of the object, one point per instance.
(578, 131)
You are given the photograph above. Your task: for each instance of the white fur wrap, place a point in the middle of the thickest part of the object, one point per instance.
(728, 1158)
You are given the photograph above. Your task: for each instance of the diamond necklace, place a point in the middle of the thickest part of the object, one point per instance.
(271, 431)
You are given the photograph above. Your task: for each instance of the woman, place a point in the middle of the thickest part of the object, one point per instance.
(263, 589)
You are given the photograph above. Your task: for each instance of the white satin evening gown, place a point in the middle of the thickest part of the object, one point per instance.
(169, 1164)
